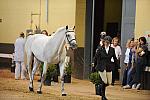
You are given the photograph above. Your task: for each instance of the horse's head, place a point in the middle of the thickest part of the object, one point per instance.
(70, 37)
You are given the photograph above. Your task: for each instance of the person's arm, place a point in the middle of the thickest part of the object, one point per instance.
(139, 50)
(145, 50)
(15, 46)
(120, 53)
(127, 56)
(115, 59)
(142, 51)
(96, 56)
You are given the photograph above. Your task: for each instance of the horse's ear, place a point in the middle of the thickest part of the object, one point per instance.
(74, 28)
(66, 27)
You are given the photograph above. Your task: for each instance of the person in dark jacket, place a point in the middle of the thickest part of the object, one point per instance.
(103, 58)
(142, 53)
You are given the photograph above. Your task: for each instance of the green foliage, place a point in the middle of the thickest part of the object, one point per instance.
(51, 71)
(68, 69)
(95, 78)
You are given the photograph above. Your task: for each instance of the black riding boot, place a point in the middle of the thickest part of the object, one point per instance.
(103, 92)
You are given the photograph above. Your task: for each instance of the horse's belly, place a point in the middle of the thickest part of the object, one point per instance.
(55, 60)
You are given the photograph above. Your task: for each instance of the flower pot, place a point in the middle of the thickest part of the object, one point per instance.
(67, 79)
(55, 78)
(47, 82)
(13, 67)
(98, 88)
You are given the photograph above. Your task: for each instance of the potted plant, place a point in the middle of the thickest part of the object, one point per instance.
(95, 79)
(13, 66)
(51, 72)
(55, 77)
(68, 71)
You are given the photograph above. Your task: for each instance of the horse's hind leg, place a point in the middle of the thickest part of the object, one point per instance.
(29, 62)
(43, 77)
(35, 65)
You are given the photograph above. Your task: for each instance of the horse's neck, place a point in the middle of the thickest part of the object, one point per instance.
(59, 39)
(57, 42)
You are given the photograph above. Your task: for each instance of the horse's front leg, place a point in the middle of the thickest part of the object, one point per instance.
(61, 67)
(42, 78)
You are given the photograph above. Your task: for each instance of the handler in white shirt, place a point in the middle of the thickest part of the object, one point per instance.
(19, 57)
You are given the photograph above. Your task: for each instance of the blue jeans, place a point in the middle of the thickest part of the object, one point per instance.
(128, 76)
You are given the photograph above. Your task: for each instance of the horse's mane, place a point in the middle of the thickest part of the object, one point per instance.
(59, 30)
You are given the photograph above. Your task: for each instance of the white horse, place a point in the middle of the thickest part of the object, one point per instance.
(50, 50)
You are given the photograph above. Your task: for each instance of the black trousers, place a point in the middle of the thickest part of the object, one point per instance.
(113, 75)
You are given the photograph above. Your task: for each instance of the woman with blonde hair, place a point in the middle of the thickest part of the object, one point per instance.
(129, 60)
(129, 45)
(115, 45)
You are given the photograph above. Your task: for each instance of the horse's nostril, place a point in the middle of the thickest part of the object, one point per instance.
(74, 46)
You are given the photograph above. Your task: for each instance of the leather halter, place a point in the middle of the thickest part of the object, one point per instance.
(68, 38)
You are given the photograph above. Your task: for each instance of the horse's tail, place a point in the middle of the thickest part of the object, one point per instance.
(32, 63)
(27, 48)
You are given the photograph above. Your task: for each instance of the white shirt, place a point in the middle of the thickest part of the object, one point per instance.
(19, 49)
(126, 60)
(107, 49)
(117, 50)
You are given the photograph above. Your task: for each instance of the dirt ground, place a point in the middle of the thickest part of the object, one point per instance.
(11, 89)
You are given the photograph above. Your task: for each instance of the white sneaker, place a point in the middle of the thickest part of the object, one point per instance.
(134, 86)
(138, 86)
(52, 83)
(127, 87)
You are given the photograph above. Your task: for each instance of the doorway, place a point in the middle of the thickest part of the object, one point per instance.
(116, 17)
(107, 17)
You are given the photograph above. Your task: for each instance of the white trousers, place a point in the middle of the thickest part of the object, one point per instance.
(106, 76)
(20, 69)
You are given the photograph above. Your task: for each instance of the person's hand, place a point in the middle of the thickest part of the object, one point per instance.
(142, 53)
(92, 64)
(127, 65)
(119, 70)
(140, 50)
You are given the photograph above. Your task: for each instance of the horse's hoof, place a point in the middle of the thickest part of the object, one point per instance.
(64, 94)
(31, 89)
(39, 92)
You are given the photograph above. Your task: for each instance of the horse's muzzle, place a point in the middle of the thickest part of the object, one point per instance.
(74, 46)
